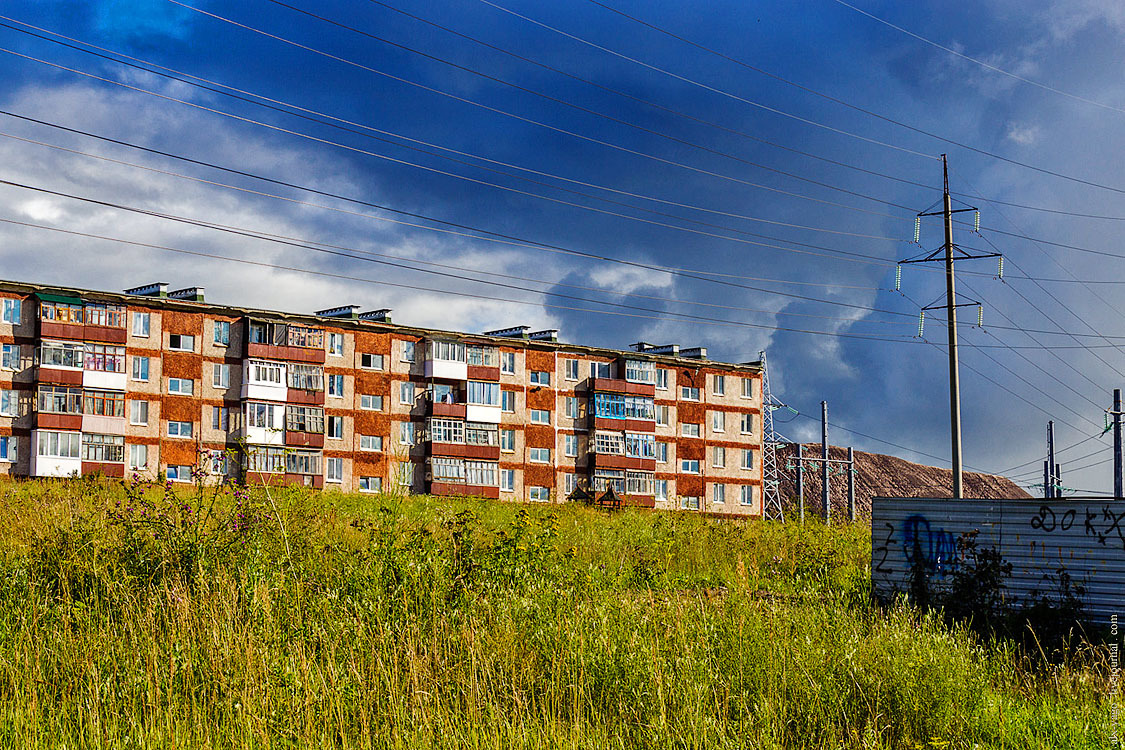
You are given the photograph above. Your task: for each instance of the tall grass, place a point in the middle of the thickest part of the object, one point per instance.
(139, 618)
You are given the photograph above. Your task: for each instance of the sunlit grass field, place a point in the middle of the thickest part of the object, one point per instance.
(135, 616)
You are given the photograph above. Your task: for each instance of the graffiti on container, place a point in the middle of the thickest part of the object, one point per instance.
(935, 549)
(1101, 525)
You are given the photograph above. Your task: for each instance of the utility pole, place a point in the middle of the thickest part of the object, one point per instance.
(771, 476)
(1117, 489)
(825, 495)
(851, 484)
(801, 481)
(1052, 492)
(947, 253)
(1046, 480)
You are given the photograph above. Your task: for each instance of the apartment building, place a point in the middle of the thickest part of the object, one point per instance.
(158, 382)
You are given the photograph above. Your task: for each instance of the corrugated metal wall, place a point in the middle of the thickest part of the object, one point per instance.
(1083, 536)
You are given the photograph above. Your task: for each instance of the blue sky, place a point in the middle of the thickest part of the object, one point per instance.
(623, 143)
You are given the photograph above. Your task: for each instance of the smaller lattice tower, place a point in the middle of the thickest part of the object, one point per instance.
(771, 476)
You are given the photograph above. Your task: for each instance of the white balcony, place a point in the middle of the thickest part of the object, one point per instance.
(105, 381)
(446, 369)
(478, 413)
(265, 391)
(103, 425)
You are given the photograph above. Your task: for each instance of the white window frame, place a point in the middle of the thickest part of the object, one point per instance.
(747, 418)
(746, 494)
(371, 443)
(221, 332)
(9, 402)
(137, 450)
(572, 406)
(220, 375)
(179, 347)
(718, 421)
(660, 490)
(508, 363)
(537, 494)
(178, 389)
(409, 351)
(377, 362)
(539, 455)
(662, 378)
(570, 446)
(689, 393)
(508, 398)
(747, 459)
(136, 368)
(406, 393)
(179, 430)
(512, 445)
(540, 416)
(690, 429)
(663, 414)
(142, 324)
(686, 465)
(135, 406)
(507, 480)
(12, 311)
(335, 345)
(335, 385)
(371, 484)
(718, 456)
(333, 427)
(719, 385)
(539, 377)
(334, 469)
(570, 369)
(10, 356)
(662, 451)
(406, 433)
(366, 405)
(748, 388)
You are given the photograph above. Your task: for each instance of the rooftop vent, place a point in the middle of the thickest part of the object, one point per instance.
(159, 289)
(551, 334)
(379, 316)
(642, 346)
(696, 352)
(519, 332)
(191, 294)
(343, 311)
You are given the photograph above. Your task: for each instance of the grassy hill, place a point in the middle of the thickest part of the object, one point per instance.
(133, 616)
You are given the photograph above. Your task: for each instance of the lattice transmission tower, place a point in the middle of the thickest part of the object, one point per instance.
(771, 439)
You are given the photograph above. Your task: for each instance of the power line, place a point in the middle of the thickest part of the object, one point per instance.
(979, 62)
(1057, 452)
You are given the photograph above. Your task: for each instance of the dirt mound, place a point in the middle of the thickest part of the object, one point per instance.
(879, 475)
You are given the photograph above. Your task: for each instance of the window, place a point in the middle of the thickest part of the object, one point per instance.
(689, 502)
(746, 495)
(371, 403)
(718, 456)
(747, 458)
(180, 343)
(305, 338)
(662, 452)
(539, 455)
(265, 460)
(661, 490)
(57, 399)
(479, 433)
(140, 368)
(60, 312)
(138, 457)
(108, 448)
(58, 354)
(599, 369)
(747, 424)
(308, 462)
(640, 445)
(447, 469)
(182, 386)
(178, 473)
(138, 412)
(639, 483)
(180, 429)
(10, 356)
(447, 431)
(604, 479)
(718, 421)
(449, 351)
(262, 416)
(304, 419)
(539, 377)
(508, 401)
(9, 403)
(570, 445)
(222, 332)
(220, 418)
(609, 443)
(59, 444)
(104, 403)
(215, 462)
(261, 371)
(112, 316)
(336, 345)
(719, 385)
(539, 494)
(508, 480)
(406, 393)
(508, 440)
(507, 362)
(220, 377)
(10, 312)
(406, 433)
(371, 361)
(662, 379)
(480, 473)
(483, 394)
(336, 428)
(638, 371)
(689, 466)
(370, 484)
(689, 393)
(103, 358)
(689, 429)
(141, 322)
(572, 407)
(371, 442)
(305, 377)
(336, 386)
(481, 356)
(407, 351)
(570, 481)
(663, 415)
(540, 416)
(334, 467)
(570, 369)
(748, 387)
(618, 406)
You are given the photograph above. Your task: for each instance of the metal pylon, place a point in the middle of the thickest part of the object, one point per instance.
(771, 477)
